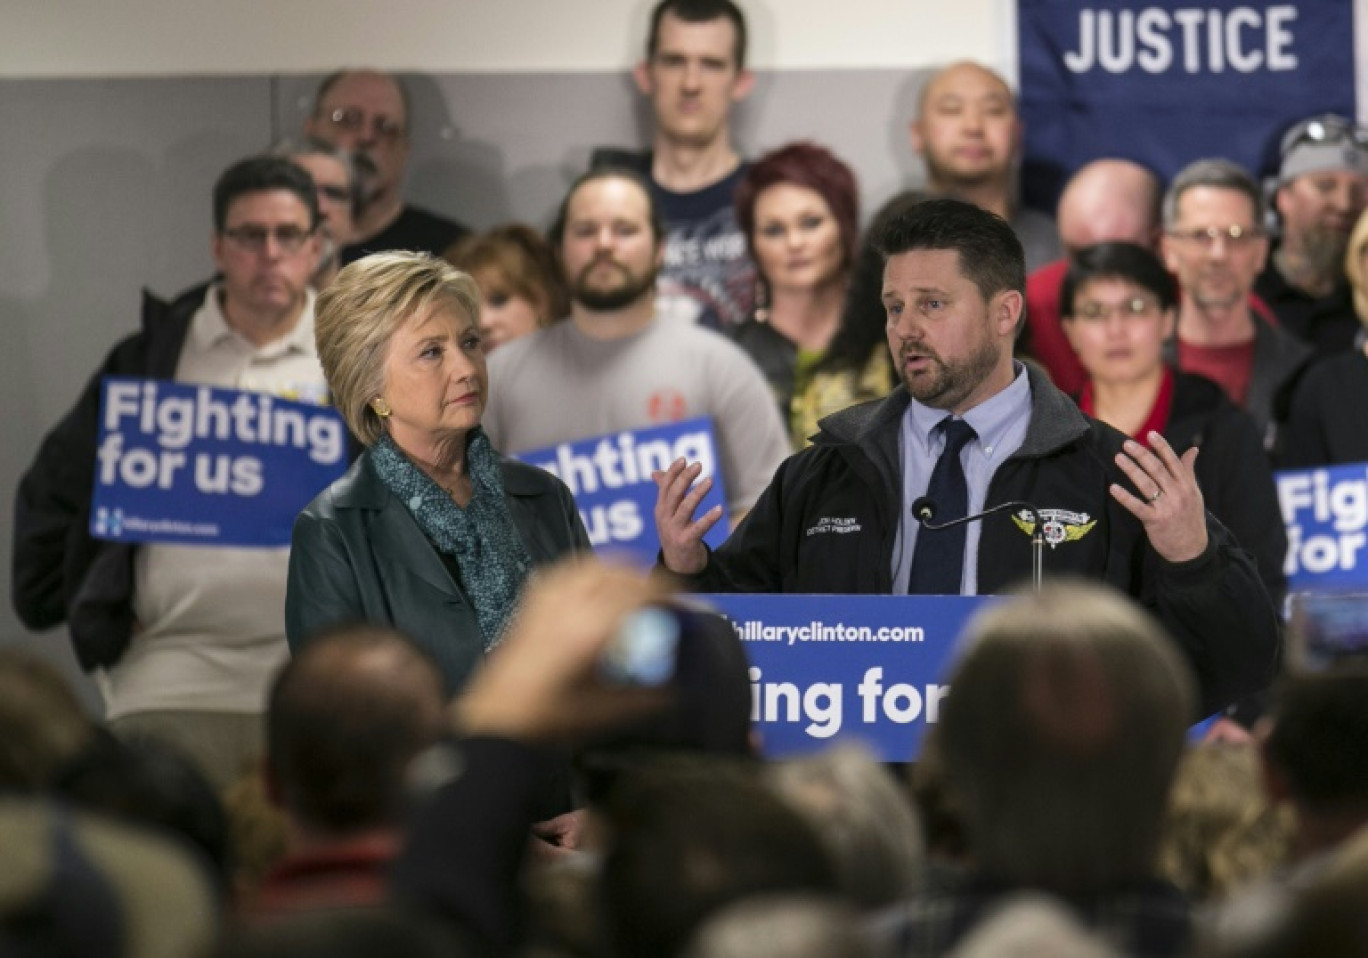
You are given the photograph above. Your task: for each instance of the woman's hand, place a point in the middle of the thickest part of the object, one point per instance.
(681, 536)
(1172, 511)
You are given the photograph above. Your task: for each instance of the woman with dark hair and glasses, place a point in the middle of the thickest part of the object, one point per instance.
(1119, 306)
(799, 207)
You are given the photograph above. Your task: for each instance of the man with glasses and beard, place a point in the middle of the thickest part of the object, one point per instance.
(1322, 187)
(614, 365)
(184, 640)
(367, 114)
(1215, 244)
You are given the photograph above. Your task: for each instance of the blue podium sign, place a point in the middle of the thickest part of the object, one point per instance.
(610, 478)
(204, 465)
(870, 668)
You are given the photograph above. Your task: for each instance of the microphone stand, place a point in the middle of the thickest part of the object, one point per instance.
(924, 510)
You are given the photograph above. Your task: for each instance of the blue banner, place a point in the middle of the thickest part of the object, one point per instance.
(1166, 82)
(204, 465)
(610, 478)
(1326, 512)
(869, 668)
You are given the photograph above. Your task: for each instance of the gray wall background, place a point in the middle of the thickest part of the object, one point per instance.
(105, 188)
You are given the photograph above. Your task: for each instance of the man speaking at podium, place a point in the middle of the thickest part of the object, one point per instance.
(969, 429)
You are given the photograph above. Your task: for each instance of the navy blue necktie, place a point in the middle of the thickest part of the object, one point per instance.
(938, 562)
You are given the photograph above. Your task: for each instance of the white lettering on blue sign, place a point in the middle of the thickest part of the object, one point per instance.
(253, 417)
(1325, 518)
(1195, 40)
(820, 704)
(619, 461)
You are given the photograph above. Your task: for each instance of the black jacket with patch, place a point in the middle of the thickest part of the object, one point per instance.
(850, 480)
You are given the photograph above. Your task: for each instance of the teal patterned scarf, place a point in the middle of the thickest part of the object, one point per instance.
(489, 553)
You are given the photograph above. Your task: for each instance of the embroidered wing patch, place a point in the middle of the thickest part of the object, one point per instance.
(1060, 525)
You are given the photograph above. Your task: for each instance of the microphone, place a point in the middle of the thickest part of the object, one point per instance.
(924, 510)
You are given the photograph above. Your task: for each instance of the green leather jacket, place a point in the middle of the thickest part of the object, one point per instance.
(358, 556)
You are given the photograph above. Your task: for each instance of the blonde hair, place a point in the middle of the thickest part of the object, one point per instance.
(357, 315)
(1221, 831)
(1353, 267)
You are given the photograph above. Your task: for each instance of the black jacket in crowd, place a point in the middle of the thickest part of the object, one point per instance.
(1232, 470)
(1215, 605)
(60, 572)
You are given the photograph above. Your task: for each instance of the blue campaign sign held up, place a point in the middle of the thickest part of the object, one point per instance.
(610, 478)
(1166, 82)
(870, 668)
(1326, 513)
(204, 465)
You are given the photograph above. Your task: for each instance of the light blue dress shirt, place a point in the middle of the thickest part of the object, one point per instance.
(1000, 423)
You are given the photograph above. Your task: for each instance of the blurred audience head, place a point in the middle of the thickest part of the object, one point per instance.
(148, 784)
(1119, 307)
(348, 933)
(346, 715)
(1322, 188)
(80, 885)
(799, 207)
(1031, 925)
(334, 175)
(519, 280)
(1061, 739)
(967, 130)
(862, 817)
(782, 926)
(1110, 200)
(1316, 755)
(609, 239)
(708, 714)
(42, 724)
(366, 113)
(1221, 832)
(265, 243)
(699, 11)
(694, 70)
(1214, 238)
(686, 841)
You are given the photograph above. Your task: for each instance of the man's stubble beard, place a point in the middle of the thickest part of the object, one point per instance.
(613, 298)
(953, 382)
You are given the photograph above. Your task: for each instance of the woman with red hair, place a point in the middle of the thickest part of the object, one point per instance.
(799, 207)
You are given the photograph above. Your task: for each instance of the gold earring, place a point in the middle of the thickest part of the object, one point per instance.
(382, 408)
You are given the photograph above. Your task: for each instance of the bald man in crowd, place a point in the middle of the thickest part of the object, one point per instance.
(968, 133)
(367, 113)
(1107, 201)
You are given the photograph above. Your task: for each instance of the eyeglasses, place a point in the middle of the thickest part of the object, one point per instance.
(1233, 235)
(1324, 129)
(353, 120)
(1137, 307)
(338, 194)
(252, 239)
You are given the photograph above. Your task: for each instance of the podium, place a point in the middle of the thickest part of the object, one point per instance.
(829, 668)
